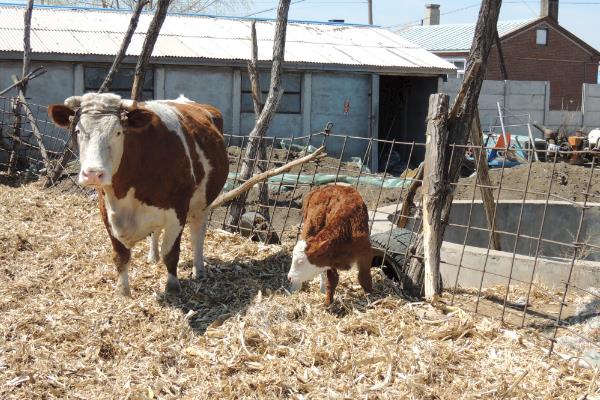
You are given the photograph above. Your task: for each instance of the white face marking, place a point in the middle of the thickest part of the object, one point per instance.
(301, 270)
(101, 142)
(170, 117)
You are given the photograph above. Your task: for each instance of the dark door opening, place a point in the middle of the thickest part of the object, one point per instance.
(403, 104)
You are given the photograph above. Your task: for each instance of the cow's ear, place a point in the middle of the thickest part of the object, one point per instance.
(139, 118)
(60, 114)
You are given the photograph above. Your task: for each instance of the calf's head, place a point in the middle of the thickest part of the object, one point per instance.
(301, 270)
(102, 121)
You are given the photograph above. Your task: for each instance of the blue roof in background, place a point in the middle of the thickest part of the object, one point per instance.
(454, 37)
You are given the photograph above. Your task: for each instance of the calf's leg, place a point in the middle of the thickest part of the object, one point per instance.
(364, 273)
(197, 233)
(323, 285)
(332, 282)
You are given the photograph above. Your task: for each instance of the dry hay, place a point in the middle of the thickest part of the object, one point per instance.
(236, 334)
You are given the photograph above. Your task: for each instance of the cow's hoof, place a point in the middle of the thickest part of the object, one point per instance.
(173, 286)
(199, 271)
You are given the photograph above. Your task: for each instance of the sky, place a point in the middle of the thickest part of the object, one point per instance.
(578, 16)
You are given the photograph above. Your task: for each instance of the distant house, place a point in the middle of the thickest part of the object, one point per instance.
(351, 75)
(537, 49)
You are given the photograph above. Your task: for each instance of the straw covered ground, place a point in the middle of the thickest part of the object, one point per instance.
(236, 334)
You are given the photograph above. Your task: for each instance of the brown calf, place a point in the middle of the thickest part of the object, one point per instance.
(335, 236)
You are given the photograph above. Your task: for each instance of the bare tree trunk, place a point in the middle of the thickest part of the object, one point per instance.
(460, 126)
(483, 176)
(23, 86)
(271, 104)
(501, 57)
(263, 193)
(135, 17)
(435, 190)
(460, 122)
(148, 47)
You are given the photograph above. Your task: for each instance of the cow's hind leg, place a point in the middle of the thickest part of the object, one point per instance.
(197, 234)
(153, 253)
(170, 255)
(364, 273)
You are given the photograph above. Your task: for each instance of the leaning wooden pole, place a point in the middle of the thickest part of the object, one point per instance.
(133, 22)
(148, 47)
(13, 158)
(483, 177)
(435, 190)
(253, 74)
(267, 113)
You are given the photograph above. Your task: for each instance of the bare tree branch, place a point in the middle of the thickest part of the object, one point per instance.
(148, 47)
(124, 45)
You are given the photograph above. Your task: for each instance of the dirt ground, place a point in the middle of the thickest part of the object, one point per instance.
(64, 333)
(564, 181)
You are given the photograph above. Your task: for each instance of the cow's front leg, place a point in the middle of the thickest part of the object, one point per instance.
(153, 253)
(197, 233)
(121, 254)
(121, 257)
(170, 255)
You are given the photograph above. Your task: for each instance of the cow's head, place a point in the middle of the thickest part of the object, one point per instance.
(302, 269)
(102, 120)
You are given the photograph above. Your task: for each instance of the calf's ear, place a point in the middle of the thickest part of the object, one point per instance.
(60, 114)
(139, 118)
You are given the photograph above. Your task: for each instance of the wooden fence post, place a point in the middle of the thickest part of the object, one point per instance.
(435, 189)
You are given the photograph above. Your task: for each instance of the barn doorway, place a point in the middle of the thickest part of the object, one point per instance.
(403, 103)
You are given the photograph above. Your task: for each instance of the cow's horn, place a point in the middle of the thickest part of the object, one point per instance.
(127, 104)
(73, 102)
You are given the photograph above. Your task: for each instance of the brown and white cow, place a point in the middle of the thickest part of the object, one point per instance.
(155, 165)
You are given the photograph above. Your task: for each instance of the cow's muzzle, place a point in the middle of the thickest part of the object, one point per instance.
(93, 177)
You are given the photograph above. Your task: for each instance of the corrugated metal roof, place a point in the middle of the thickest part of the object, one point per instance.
(453, 37)
(100, 32)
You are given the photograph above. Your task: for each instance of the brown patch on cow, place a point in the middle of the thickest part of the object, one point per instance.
(336, 231)
(198, 125)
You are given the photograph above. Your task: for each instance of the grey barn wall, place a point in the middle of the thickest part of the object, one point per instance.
(53, 87)
(203, 85)
(532, 98)
(329, 92)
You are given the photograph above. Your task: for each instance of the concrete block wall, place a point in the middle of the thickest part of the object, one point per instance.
(520, 99)
(591, 106)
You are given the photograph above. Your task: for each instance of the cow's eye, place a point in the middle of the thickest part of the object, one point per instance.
(118, 133)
